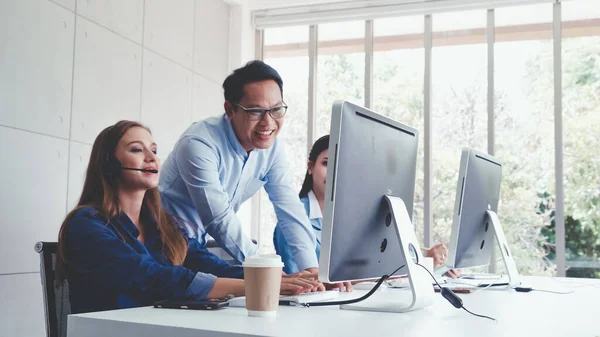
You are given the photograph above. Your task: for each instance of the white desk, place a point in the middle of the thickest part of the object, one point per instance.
(518, 314)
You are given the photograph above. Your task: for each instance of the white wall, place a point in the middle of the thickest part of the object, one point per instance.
(68, 69)
(241, 36)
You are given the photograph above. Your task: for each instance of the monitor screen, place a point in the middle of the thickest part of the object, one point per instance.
(370, 156)
(478, 190)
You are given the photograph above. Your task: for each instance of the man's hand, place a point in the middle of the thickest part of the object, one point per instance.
(341, 286)
(314, 274)
(297, 285)
(310, 274)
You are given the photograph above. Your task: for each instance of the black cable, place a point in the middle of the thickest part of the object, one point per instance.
(478, 315)
(354, 300)
(449, 295)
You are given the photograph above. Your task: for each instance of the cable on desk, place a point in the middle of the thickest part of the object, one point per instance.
(529, 289)
(451, 297)
(355, 300)
(581, 284)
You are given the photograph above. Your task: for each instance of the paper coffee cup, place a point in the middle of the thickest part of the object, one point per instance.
(262, 281)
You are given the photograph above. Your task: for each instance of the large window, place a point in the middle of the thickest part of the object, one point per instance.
(286, 50)
(398, 66)
(341, 68)
(524, 127)
(581, 116)
(459, 117)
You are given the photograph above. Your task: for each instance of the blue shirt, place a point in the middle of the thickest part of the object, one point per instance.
(313, 210)
(209, 175)
(109, 268)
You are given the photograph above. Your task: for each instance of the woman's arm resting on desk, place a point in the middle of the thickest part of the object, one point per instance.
(225, 286)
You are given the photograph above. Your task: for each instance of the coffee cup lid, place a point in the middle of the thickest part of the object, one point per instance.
(263, 261)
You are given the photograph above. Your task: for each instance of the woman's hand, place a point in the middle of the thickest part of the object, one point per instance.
(439, 253)
(453, 273)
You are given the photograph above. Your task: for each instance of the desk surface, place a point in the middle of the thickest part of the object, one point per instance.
(535, 313)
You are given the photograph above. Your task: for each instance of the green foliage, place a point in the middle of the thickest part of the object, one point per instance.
(581, 111)
(524, 133)
(582, 243)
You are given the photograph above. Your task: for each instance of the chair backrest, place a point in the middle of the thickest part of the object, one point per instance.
(56, 299)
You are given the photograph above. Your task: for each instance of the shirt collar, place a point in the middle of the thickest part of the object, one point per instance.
(151, 228)
(233, 140)
(315, 209)
(124, 220)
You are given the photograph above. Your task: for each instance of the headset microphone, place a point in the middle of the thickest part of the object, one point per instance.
(137, 169)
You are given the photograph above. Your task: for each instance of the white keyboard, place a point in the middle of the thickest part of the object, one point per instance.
(311, 297)
(481, 276)
(293, 299)
(501, 281)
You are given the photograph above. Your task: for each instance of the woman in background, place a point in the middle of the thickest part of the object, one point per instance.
(119, 249)
(312, 195)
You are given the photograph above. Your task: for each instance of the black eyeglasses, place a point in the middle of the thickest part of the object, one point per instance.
(257, 114)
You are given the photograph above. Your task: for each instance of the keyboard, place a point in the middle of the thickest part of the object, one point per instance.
(502, 281)
(481, 276)
(316, 296)
(310, 297)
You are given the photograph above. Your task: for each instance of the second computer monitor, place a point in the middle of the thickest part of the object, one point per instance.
(478, 190)
(370, 156)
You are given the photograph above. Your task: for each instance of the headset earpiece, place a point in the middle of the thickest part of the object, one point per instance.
(113, 167)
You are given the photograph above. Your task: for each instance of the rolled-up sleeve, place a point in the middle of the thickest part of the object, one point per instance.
(200, 286)
(197, 163)
(291, 215)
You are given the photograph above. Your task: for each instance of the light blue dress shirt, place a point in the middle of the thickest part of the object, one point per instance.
(209, 175)
(311, 205)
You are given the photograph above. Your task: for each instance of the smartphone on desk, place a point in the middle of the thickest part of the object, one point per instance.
(191, 304)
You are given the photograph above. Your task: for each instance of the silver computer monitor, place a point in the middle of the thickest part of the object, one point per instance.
(476, 228)
(370, 156)
(478, 190)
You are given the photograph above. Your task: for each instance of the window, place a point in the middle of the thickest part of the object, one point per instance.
(581, 118)
(286, 50)
(459, 113)
(398, 67)
(523, 125)
(524, 128)
(341, 68)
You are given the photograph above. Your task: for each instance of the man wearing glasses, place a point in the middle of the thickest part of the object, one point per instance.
(220, 162)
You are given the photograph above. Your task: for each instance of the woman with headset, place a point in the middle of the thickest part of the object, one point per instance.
(118, 248)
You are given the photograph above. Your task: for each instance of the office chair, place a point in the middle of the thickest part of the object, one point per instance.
(56, 299)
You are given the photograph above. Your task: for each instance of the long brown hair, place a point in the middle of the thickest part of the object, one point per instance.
(100, 191)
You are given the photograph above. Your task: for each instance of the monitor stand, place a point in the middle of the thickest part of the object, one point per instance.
(514, 279)
(421, 289)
